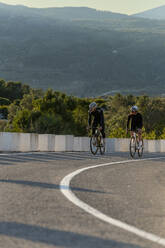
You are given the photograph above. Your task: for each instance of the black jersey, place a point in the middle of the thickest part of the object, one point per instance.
(98, 117)
(136, 121)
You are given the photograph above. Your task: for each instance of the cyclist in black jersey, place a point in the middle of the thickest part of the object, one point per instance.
(97, 115)
(136, 120)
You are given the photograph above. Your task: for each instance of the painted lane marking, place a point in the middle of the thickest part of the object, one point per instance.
(66, 190)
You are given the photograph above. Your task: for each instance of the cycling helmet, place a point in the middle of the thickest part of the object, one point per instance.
(134, 108)
(92, 105)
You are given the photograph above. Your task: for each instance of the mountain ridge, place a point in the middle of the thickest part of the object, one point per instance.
(83, 57)
(65, 12)
(155, 13)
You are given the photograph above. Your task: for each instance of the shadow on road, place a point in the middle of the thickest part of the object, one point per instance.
(10, 159)
(57, 237)
(49, 186)
(16, 158)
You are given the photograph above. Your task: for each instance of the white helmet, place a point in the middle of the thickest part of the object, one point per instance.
(92, 105)
(134, 108)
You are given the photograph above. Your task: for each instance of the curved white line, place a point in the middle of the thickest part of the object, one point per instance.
(66, 190)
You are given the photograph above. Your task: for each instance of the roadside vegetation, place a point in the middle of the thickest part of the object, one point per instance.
(23, 109)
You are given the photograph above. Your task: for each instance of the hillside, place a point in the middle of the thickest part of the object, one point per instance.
(156, 13)
(82, 51)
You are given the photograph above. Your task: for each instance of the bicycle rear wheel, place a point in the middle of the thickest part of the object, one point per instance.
(93, 145)
(132, 147)
(140, 150)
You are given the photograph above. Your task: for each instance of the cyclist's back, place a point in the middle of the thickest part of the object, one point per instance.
(136, 121)
(98, 117)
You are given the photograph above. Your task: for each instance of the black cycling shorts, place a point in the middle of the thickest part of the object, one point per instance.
(135, 129)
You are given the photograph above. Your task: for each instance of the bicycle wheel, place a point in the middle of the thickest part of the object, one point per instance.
(93, 145)
(140, 150)
(102, 145)
(132, 147)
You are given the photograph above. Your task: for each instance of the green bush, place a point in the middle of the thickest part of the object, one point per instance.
(3, 125)
(49, 124)
(3, 112)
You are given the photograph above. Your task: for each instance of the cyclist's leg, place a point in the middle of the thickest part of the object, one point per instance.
(131, 133)
(94, 127)
(103, 134)
(93, 134)
(139, 131)
(93, 130)
(133, 142)
(132, 130)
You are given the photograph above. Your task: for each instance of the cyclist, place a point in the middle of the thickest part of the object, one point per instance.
(97, 115)
(136, 123)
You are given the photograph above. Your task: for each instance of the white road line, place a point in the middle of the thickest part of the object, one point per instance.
(66, 190)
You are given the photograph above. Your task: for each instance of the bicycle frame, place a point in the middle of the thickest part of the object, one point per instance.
(134, 145)
(96, 142)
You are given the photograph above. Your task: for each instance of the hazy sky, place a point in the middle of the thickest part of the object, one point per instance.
(120, 6)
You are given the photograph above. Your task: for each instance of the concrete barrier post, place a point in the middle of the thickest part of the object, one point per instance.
(28, 142)
(34, 142)
(6, 141)
(145, 145)
(122, 145)
(46, 142)
(81, 144)
(109, 145)
(154, 146)
(64, 143)
(162, 145)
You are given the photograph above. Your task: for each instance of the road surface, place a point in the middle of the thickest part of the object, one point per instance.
(35, 213)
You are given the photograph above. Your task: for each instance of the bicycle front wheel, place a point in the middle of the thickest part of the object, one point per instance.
(102, 145)
(93, 145)
(132, 147)
(140, 150)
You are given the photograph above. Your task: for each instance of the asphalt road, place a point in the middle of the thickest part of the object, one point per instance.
(34, 213)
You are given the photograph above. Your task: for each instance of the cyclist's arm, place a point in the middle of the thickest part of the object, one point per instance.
(89, 119)
(140, 121)
(102, 119)
(128, 121)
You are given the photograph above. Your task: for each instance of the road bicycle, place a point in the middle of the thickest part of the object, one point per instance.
(134, 145)
(97, 142)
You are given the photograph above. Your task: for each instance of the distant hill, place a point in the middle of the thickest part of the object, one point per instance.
(65, 13)
(156, 13)
(84, 13)
(82, 51)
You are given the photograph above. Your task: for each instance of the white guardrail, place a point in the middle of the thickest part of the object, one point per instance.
(27, 142)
